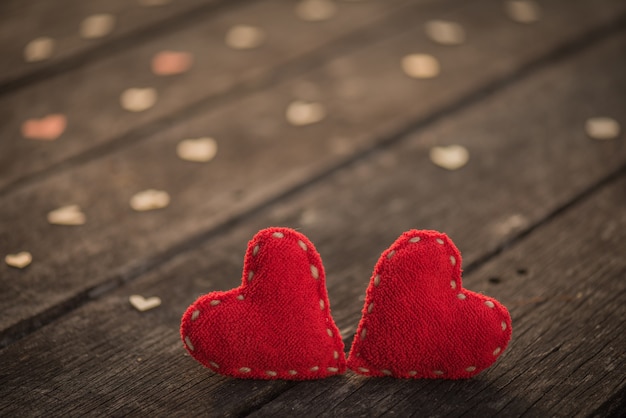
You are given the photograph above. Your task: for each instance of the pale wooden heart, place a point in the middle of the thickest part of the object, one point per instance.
(197, 150)
(451, 157)
(171, 62)
(523, 11)
(315, 10)
(300, 113)
(142, 304)
(67, 215)
(47, 128)
(244, 37)
(602, 128)
(445, 32)
(39, 49)
(138, 99)
(19, 260)
(420, 66)
(97, 26)
(150, 199)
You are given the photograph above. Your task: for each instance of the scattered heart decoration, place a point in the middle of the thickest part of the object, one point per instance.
(48, 128)
(67, 215)
(138, 99)
(171, 62)
(144, 304)
(150, 199)
(198, 150)
(277, 324)
(300, 113)
(419, 322)
(451, 157)
(19, 260)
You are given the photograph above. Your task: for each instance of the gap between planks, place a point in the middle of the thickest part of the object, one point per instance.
(557, 54)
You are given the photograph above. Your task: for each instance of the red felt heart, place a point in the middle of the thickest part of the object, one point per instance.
(277, 324)
(419, 322)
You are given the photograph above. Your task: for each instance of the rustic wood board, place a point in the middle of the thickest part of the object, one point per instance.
(90, 95)
(564, 287)
(205, 197)
(352, 216)
(24, 20)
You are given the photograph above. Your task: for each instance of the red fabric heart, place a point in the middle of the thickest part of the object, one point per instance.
(419, 322)
(277, 324)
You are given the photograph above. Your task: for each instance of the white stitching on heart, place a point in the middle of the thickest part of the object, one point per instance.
(332, 369)
(215, 302)
(292, 372)
(255, 251)
(453, 260)
(335, 355)
(245, 370)
(461, 296)
(214, 365)
(377, 280)
(470, 369)
(314, 272)
(489, 304)
(315, 368)
(250, 275)
(278, 235)
(391, 254)
(497, 351)
(271, 373)
(503, 326)
(370, 307)
(363, 333)
(189, 344)
(414, 239)
(453, 284)
(386, 372)
(412, 373)
(329, 332)
(302, 245)
(195, 315)
(438, 372)
(321, 303)
(364, 370)
(439, 241)
(240, 297)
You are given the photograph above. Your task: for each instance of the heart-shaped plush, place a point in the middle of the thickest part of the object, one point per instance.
(419, 322)
(277, 324)
(47, 128)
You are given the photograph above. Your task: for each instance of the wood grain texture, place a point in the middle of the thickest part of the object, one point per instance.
(23, 21)
(524, 162)
(90, 95)
(246, 174)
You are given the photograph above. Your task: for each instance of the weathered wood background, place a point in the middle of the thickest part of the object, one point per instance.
(539, 211)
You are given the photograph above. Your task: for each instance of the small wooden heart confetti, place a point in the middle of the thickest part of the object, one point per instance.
(19, 260)
(420, 66)
(142, 304)
(445, 32)
(138, 99)
(244, 37)
(198, 150)
(522, 11)
(67, 215)
(149, 200)
(97, 26)
(602, 128)
(300, 113)
(47, 128)
(315, 10)
(451, 157)
(171, 62)
(39, 49)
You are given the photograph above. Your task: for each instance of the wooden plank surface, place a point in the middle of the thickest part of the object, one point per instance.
(526, 165)
(89, 95)
(564, 287)
(21, 21)
(246, 174)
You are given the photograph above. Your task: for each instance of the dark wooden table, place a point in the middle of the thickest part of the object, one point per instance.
(539, 211)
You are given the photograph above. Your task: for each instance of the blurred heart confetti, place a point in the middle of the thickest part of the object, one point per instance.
(138, 99)
(315, 10)
(451, 157)
(300, 113)
(171, 62)
(420, 66)
(97, 26)
(67, 215)
(48, 128)
(197, 150)
(149, 200)
(39, 49)
(445, 32)
(244, 37)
